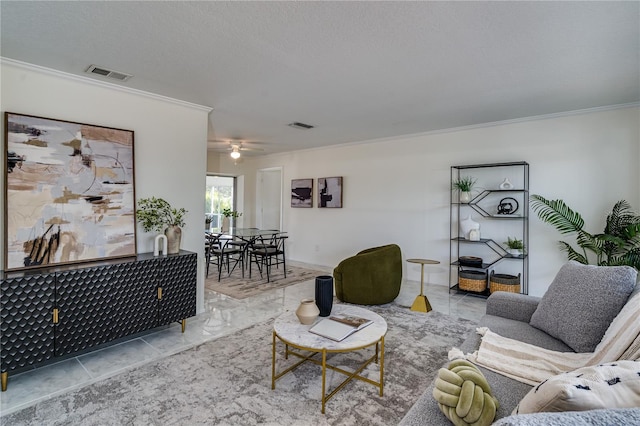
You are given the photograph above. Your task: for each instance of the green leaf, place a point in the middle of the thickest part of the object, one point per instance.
(558, 214)
(572, 254)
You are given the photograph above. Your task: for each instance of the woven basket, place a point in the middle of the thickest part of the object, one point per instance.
(504, 282)
(473, 281)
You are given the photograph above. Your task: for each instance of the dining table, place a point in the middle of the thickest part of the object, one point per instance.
(248, 235)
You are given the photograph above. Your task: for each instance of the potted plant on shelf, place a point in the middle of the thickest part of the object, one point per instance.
(515, 247)
(226, 220)
(156, 214)
(464, 185)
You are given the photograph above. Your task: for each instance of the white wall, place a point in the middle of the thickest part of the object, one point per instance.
(397, 190)
(170, 137)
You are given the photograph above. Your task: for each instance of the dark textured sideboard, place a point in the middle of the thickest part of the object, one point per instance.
(53, 312)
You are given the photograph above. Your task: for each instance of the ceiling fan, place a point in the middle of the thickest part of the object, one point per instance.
(235, 146)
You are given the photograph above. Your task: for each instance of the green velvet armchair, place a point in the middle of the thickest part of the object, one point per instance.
(371, 277)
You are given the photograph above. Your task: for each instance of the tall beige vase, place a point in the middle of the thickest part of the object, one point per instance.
(174, 236)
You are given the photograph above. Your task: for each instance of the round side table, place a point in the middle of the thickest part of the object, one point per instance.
(421, 304)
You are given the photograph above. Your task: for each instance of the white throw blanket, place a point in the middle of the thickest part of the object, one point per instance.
(532, 364)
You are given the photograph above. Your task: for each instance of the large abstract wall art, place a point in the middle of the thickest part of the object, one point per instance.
(69, 192)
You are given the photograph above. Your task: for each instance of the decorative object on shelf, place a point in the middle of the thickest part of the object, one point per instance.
(324, 294)
(156, 245)
(64, 181)
(307, 312)
(207, 221)
(330, 192)
(472, 261)
(464, 185)
(156, 214)
(619, 244)
(473, 281)
(504, 282)
(506, 206)
(515, 246)
(506, 184)
(467, 225)
(474, 235)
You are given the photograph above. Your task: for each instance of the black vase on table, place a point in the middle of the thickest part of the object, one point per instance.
(324, 294)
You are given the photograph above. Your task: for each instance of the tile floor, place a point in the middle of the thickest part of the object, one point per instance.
(223, 315)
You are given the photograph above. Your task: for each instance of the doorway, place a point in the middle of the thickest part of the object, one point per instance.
(220, 194)
(269, 198)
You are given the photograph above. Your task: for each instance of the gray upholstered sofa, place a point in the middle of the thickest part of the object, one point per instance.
(508, 314)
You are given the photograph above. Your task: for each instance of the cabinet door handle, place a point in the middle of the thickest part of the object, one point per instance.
(159, 293)
(55, 315)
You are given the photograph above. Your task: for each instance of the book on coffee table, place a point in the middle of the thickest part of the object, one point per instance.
(339, 327)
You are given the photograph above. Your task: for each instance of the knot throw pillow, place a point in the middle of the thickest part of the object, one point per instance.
(463, 394)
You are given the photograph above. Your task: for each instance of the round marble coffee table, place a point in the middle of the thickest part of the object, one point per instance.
(296, 338)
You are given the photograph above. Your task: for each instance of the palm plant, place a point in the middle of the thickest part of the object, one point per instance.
(619, 244)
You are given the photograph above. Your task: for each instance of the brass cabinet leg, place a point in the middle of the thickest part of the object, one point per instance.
(5, 375)
(184, 324)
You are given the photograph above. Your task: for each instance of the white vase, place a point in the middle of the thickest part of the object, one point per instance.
(307, 312)
(226, 224)
(466, 225)
(465, 196)
(474, 235)
(174, 236)
(506, 184)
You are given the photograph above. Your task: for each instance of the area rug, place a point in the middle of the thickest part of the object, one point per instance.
(228, 382)
(241, 288)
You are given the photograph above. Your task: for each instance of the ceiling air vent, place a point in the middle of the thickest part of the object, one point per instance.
(299, 125)
(116, 75)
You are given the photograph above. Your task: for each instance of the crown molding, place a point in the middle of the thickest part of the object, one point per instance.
(103, 84)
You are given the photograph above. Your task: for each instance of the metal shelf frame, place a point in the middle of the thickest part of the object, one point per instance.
(456, 240)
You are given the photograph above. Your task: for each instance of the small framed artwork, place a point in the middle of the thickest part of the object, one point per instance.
(302, 193)
(330, 192)
(69, 192)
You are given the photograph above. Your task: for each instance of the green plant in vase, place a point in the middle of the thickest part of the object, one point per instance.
(464, 185)
(515, 246)
(156, 214)
(228, 215)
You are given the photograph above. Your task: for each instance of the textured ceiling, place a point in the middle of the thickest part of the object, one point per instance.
(356, 70)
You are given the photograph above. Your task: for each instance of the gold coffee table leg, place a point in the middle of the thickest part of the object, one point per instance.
(324, 377)
(381, 364)
(273, 362)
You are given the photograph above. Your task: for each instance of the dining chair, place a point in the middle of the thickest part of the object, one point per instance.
(267, 253)
(221, 254)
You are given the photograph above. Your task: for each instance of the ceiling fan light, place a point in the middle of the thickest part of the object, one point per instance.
(235, 154)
